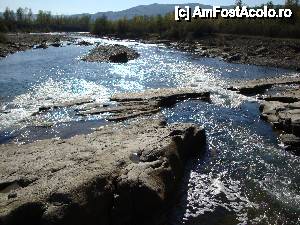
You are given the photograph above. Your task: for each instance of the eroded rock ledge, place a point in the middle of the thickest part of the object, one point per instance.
(131, 105)
(281, 109)
(120, 174)
(111, 53)
(285, 117)
(260, 85)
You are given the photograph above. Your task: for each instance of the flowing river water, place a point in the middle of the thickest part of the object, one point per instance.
(244, 178)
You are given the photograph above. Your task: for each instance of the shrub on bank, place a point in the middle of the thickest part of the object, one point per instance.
(3, 38)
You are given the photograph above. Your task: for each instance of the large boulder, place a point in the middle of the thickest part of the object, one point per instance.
(120, 174)
(111, 53)
(119, 57)
(42, 45)
(84, 43)
(56, 44)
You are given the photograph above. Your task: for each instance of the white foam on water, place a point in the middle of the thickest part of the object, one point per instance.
(206, 192)
(204, 78)
(48, 94)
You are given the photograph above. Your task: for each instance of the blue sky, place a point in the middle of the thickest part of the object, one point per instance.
(92, 6)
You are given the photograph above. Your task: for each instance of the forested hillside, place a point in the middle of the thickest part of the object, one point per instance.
(162, 26)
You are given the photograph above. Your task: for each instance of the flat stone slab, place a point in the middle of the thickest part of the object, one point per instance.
(131, 105)
(290, 95)
(260, 85)
(282, 109)
(284, 116)
(120, 174)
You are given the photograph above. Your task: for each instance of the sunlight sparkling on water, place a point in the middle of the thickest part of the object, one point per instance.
(49, 94)
(242, 173)
(244, 178)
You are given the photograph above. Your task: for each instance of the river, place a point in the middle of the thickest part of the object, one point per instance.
(244, 178)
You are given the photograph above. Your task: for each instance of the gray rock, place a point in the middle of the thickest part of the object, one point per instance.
(292, 142)
(24, 41)
(111, 53)
(233, 58)
(131, 105)
(227, 49)
(282, 109)
(261, 50)
(98, 180)
(84, 43)
(43, 45)
(260, 85)
(119, 57)
(56, 44)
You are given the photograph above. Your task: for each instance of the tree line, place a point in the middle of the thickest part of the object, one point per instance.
(23, 20)
(167, 27)
(160, 26)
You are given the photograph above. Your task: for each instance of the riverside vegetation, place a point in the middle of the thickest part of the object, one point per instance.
(161, 26)
(268, 42)
(167, 27)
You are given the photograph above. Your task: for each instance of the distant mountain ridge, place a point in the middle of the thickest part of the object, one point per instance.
(144, 10)
(141, 10)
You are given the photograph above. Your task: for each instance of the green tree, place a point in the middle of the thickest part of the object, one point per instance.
(29, 15)
(9, 15)
(239, 3)
(101, 25)
(20, 14)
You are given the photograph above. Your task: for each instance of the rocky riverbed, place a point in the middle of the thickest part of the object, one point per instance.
(23, 41)
(274, 52)
(124, 173)
(281, 108)
(281, 53)
(71, 180)
(120, 174)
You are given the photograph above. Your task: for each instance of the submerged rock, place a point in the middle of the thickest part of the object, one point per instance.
(120, 174)
(111, 53)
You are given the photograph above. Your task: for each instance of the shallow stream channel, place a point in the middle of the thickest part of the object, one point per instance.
(244, 178)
